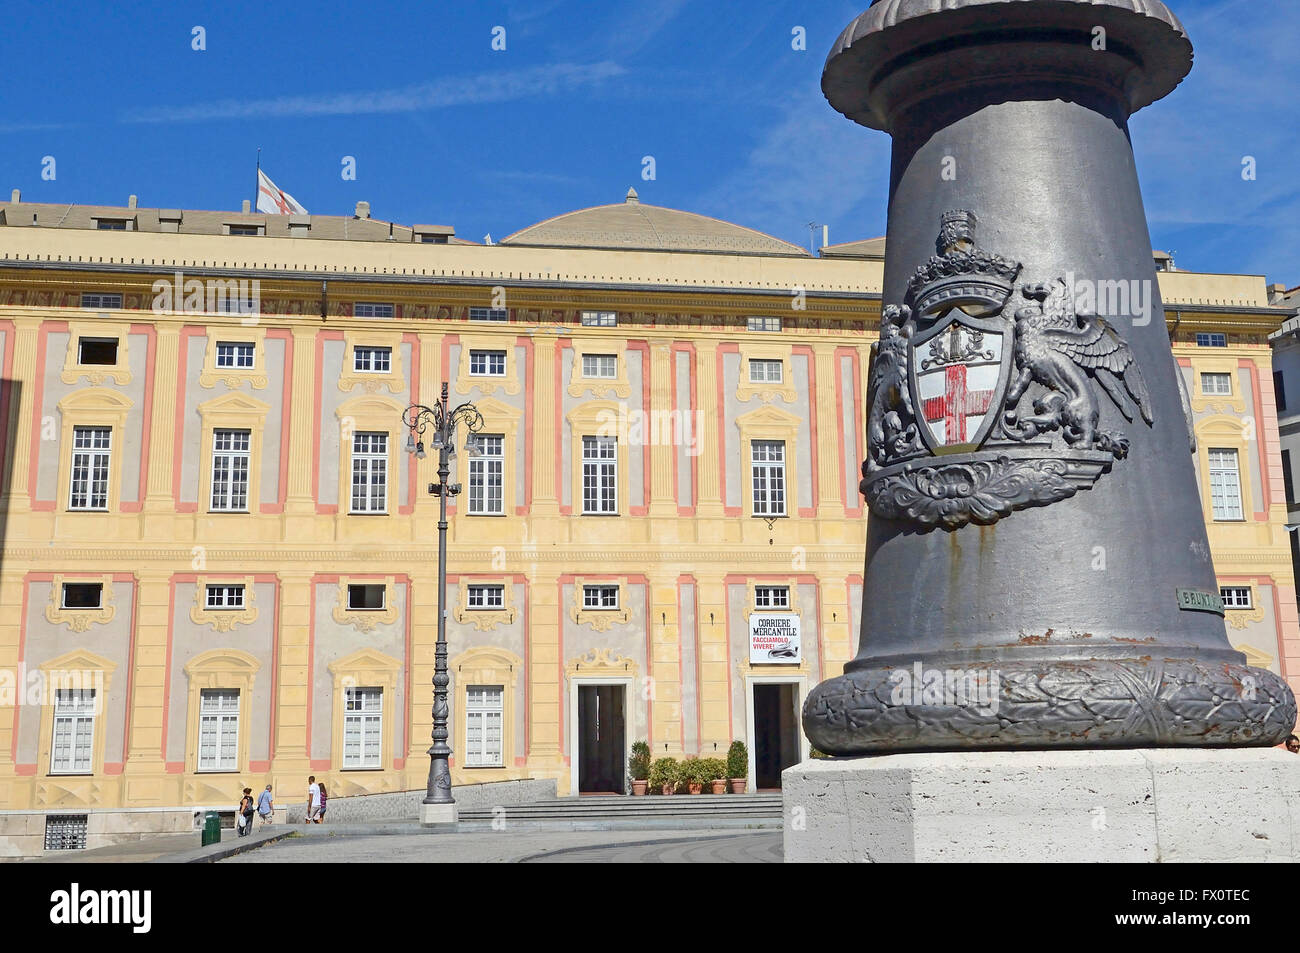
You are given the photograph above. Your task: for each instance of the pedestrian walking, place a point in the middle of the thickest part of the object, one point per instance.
(320, 818)
(313, 801)
(244, 819)
(265, 808)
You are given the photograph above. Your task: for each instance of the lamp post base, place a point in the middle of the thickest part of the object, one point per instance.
(438, 815)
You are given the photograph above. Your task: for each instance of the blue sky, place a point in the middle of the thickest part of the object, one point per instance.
(446, 130)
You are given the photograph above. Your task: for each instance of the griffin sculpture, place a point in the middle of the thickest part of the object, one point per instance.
(887, 431)
(1059, 349)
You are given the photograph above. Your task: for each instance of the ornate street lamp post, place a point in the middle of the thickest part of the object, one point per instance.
(439, 807)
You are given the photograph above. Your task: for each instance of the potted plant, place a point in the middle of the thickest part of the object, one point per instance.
(738, 766)
(638, 765)
(664, 774)
(714, 771)
(692, 775)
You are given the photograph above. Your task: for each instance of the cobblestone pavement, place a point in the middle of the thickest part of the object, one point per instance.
(764, 848)
(504, 847)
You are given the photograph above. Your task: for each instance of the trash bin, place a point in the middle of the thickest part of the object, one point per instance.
(211, 828)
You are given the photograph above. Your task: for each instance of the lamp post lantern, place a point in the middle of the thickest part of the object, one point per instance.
(439, 807)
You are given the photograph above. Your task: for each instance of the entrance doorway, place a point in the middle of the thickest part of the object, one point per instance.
(776, 731)
(601, 733)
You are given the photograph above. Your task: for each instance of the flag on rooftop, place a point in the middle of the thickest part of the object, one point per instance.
(273, 199)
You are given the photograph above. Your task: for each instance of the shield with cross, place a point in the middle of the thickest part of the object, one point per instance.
(958, 370)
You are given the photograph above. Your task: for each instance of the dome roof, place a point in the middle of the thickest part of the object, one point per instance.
(631, 225)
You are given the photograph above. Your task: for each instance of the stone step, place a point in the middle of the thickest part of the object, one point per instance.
(676, 806)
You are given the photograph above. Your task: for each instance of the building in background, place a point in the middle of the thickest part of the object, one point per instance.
(211, 521)
(1285, 342)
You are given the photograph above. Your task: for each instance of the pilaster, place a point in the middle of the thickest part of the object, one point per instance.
(665, 692)
(144, 771)
(290, 761)
(159, 505)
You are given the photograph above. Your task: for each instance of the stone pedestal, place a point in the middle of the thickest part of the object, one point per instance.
(1144, 805)
(437, 815)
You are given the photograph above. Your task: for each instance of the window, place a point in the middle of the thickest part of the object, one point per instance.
(83, 595)
(245, 230)
(484, 714)
(372, 309)
(428, 238)
(111, 224)
(1279, 389)
(599, 473)
(599, 319)
(768, 457)
(366, 596)
(239, 354)
(1218, 384)
(225, 597)
(363, 727)
(219, 729)
(97, 351)
(369, 472)
(764, 323)
(372, 360)
(487, 476)
(1225, 485)
(766, 372)
(74, 731)
(488, 314)
(1211, 339)
(487, 597)
(91, 447)
(1235, 597)
(487, 363)
(65, 831)
(230, 470)
(1287, 483)
(600, 597)
(600, 365)
(97, 299)
(772, 597)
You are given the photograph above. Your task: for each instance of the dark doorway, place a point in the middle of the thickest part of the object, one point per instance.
(776, 732)
(600, 739)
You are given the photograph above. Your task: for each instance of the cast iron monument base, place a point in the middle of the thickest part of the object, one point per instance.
(438, 815)
(1138, 805)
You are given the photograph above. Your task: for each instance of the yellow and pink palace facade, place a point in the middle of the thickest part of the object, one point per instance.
(210, 516)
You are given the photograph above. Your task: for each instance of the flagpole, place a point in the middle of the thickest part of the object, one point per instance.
(257, 190)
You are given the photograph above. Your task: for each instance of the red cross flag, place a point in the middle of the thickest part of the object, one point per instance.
(274, 200)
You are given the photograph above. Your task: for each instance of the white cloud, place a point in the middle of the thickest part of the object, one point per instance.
(812, 164)
(454, 91)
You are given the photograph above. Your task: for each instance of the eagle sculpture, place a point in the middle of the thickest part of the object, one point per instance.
(1059, 349)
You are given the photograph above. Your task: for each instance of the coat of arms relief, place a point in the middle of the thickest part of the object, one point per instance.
(984, 391)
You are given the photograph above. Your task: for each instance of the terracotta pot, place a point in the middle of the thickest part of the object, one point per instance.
(668, 789)
(718, 787)
(695, 787)
(738, 785)
(639, 787)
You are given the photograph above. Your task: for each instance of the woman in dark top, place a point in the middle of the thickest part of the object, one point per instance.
(244, 822)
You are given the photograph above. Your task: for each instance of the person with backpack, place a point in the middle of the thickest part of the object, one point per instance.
(244, 819)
